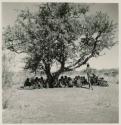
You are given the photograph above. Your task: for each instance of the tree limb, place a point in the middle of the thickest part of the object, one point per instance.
(69, 68)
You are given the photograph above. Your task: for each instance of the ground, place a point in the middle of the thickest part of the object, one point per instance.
(63, 105)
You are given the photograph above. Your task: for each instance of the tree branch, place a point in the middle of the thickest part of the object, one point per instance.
(70, 68)
(14, 50)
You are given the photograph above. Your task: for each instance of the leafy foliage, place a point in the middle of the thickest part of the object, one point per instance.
(59, 32)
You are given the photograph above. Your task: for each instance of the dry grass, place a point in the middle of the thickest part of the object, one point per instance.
(63, 105)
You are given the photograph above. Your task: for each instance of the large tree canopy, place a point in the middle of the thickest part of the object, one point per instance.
(59, 32)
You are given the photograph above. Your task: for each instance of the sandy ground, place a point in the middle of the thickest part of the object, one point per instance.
(63, 105)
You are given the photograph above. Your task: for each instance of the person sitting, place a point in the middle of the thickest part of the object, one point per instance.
(32, 82)
(65, 81)
(70, 82)
(79, 84)
(36, 82)
(41, 82)
(75, 81)
(61, 82)
(94, 79)
(27, 83)
(56, 83)
(83, 80)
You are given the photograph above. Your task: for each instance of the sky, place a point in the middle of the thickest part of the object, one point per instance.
(110, 57)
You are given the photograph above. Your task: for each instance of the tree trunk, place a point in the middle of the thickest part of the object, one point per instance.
(50, 80)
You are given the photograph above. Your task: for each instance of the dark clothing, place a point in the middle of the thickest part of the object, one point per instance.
(27, 83)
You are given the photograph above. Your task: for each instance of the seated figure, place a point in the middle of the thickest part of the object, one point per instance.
(27, 83)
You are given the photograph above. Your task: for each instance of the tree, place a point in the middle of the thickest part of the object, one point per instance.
(59, 32)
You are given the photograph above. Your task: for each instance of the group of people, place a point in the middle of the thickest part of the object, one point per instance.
(66, 81)
(35, 82)
(62, 82)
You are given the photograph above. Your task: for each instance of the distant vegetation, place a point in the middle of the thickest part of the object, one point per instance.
(19, 77)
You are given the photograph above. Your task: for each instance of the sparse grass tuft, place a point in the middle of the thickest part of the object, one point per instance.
(5, 104)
